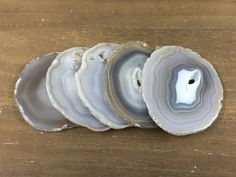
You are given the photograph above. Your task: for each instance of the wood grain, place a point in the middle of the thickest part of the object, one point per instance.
(30, 28)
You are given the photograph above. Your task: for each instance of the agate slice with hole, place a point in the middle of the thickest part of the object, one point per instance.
(91, 88)
(123, 77)
(32, 99)
(182, 90)
(62, 89)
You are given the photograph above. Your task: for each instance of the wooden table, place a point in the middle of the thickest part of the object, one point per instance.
(30, 28)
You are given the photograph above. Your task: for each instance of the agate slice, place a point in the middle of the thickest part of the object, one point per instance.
(182, 90)
(123, 77)
(91, 86)
(32, 99)
(62, 89)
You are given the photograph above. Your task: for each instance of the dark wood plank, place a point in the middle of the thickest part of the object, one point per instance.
(31, 28)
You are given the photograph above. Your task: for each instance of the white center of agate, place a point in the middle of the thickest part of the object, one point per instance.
(136, 77)
(186, 86)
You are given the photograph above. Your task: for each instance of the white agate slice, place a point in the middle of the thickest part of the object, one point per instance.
(182, 90)
(123, 77)
(91, 88)
(62, 89)
(32, 98)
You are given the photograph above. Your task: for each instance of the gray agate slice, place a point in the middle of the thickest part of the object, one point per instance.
(123, 77)
(32, 99)
(62, 89)
(182, 90)
(91, 87)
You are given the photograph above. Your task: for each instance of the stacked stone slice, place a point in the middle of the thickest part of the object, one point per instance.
(114, 86)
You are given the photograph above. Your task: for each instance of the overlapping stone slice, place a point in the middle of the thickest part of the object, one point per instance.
(117, 86)
(182, 90)
(63, 93)
(123, 75)
(32, 98)
(91, 86)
